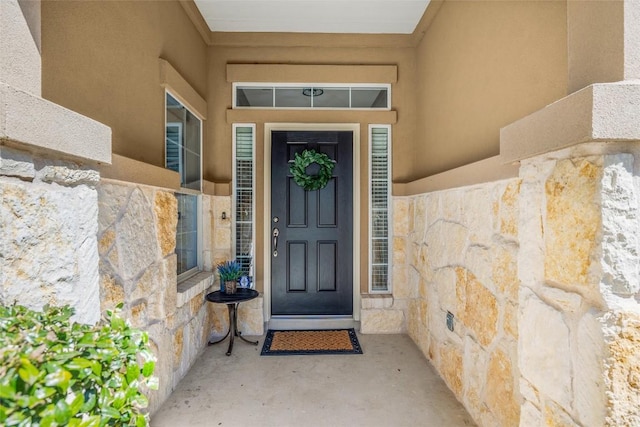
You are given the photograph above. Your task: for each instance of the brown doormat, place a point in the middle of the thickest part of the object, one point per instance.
(333, 341)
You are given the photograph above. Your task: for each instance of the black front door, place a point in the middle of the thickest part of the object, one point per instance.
(312, 272)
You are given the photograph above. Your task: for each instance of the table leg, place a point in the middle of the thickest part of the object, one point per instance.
(220, 340)
(233, 330)
(239, 334)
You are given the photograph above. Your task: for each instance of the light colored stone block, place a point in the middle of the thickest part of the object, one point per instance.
(529, 392)
(16, 163)
(251, 317)
(475, 376)
(193, 286)
(477, 308)
(622, 369)
(504, 271)
(543, 336)
(588, 379)
(111, 293)
(478, 216)
(161, 343)
(447, 243)
(502, 396)
(555, 415)
(222, 238)
(376, 301)
(449, 363)
(568, 302)
(46, 258)
(572, 221)
(509, 212)
(419, 218)
(530, 416)
(451, 205)
(478, 260)
(136, 236)
(399, 251)
(379, 321)
(68, 174)
(620, 226)
(445, 280)
(400, 216)
(165, 207)
(510, 320)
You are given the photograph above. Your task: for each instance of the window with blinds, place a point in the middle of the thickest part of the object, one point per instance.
(379, 201)
(244, 196)
(183, 147)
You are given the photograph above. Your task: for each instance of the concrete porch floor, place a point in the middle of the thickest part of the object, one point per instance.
(391, 384)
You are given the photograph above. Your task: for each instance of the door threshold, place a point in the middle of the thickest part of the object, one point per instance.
(281, 323)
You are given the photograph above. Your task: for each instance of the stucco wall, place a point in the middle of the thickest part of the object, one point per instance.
(100, 58)
(480, 66)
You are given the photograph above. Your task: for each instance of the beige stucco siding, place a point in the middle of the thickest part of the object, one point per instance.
(217, 155)
(479, 66)
(482, 65)
(101, 59)
(220, 93)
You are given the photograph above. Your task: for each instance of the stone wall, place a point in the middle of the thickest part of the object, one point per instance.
(579, 274)
(48, 223)
(542, 276)
(457, 249)
(217, 248)
(137, 229)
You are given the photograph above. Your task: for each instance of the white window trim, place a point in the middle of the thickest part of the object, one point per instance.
(386, 86)
(389, 289)
(234, 195)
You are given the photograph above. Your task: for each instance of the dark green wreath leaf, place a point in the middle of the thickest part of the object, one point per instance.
(312, 182)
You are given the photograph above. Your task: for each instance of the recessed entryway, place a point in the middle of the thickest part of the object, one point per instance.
(310, 235)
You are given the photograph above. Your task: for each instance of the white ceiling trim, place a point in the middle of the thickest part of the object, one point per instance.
(313, 16)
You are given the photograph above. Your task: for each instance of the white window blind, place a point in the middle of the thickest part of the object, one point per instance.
(379, 198)
(244, 195)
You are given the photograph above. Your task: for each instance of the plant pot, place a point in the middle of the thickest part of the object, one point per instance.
(230, 287)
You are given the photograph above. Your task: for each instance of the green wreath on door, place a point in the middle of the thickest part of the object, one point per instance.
(312, 182)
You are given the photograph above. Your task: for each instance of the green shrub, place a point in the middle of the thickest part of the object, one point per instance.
(54, 372)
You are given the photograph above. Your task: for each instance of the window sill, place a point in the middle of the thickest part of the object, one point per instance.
(193, 286)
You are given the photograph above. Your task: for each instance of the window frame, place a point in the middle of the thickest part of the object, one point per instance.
(389, 289)
(185, 190)
(273, 85)
(235, 126)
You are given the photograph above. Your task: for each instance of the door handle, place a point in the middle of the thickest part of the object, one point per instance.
(276, 233)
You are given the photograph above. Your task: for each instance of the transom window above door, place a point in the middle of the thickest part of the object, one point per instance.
(312, 96)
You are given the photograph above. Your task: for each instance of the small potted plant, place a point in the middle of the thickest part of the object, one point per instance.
(230, 272)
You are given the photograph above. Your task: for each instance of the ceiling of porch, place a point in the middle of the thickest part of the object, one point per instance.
(313, 16)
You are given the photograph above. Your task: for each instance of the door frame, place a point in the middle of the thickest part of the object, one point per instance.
(270, 127)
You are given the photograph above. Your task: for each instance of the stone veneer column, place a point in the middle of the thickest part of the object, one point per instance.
(578, 267)
(579, 256)
(48, 174)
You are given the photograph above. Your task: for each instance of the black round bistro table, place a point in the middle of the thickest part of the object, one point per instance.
(232, 301)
